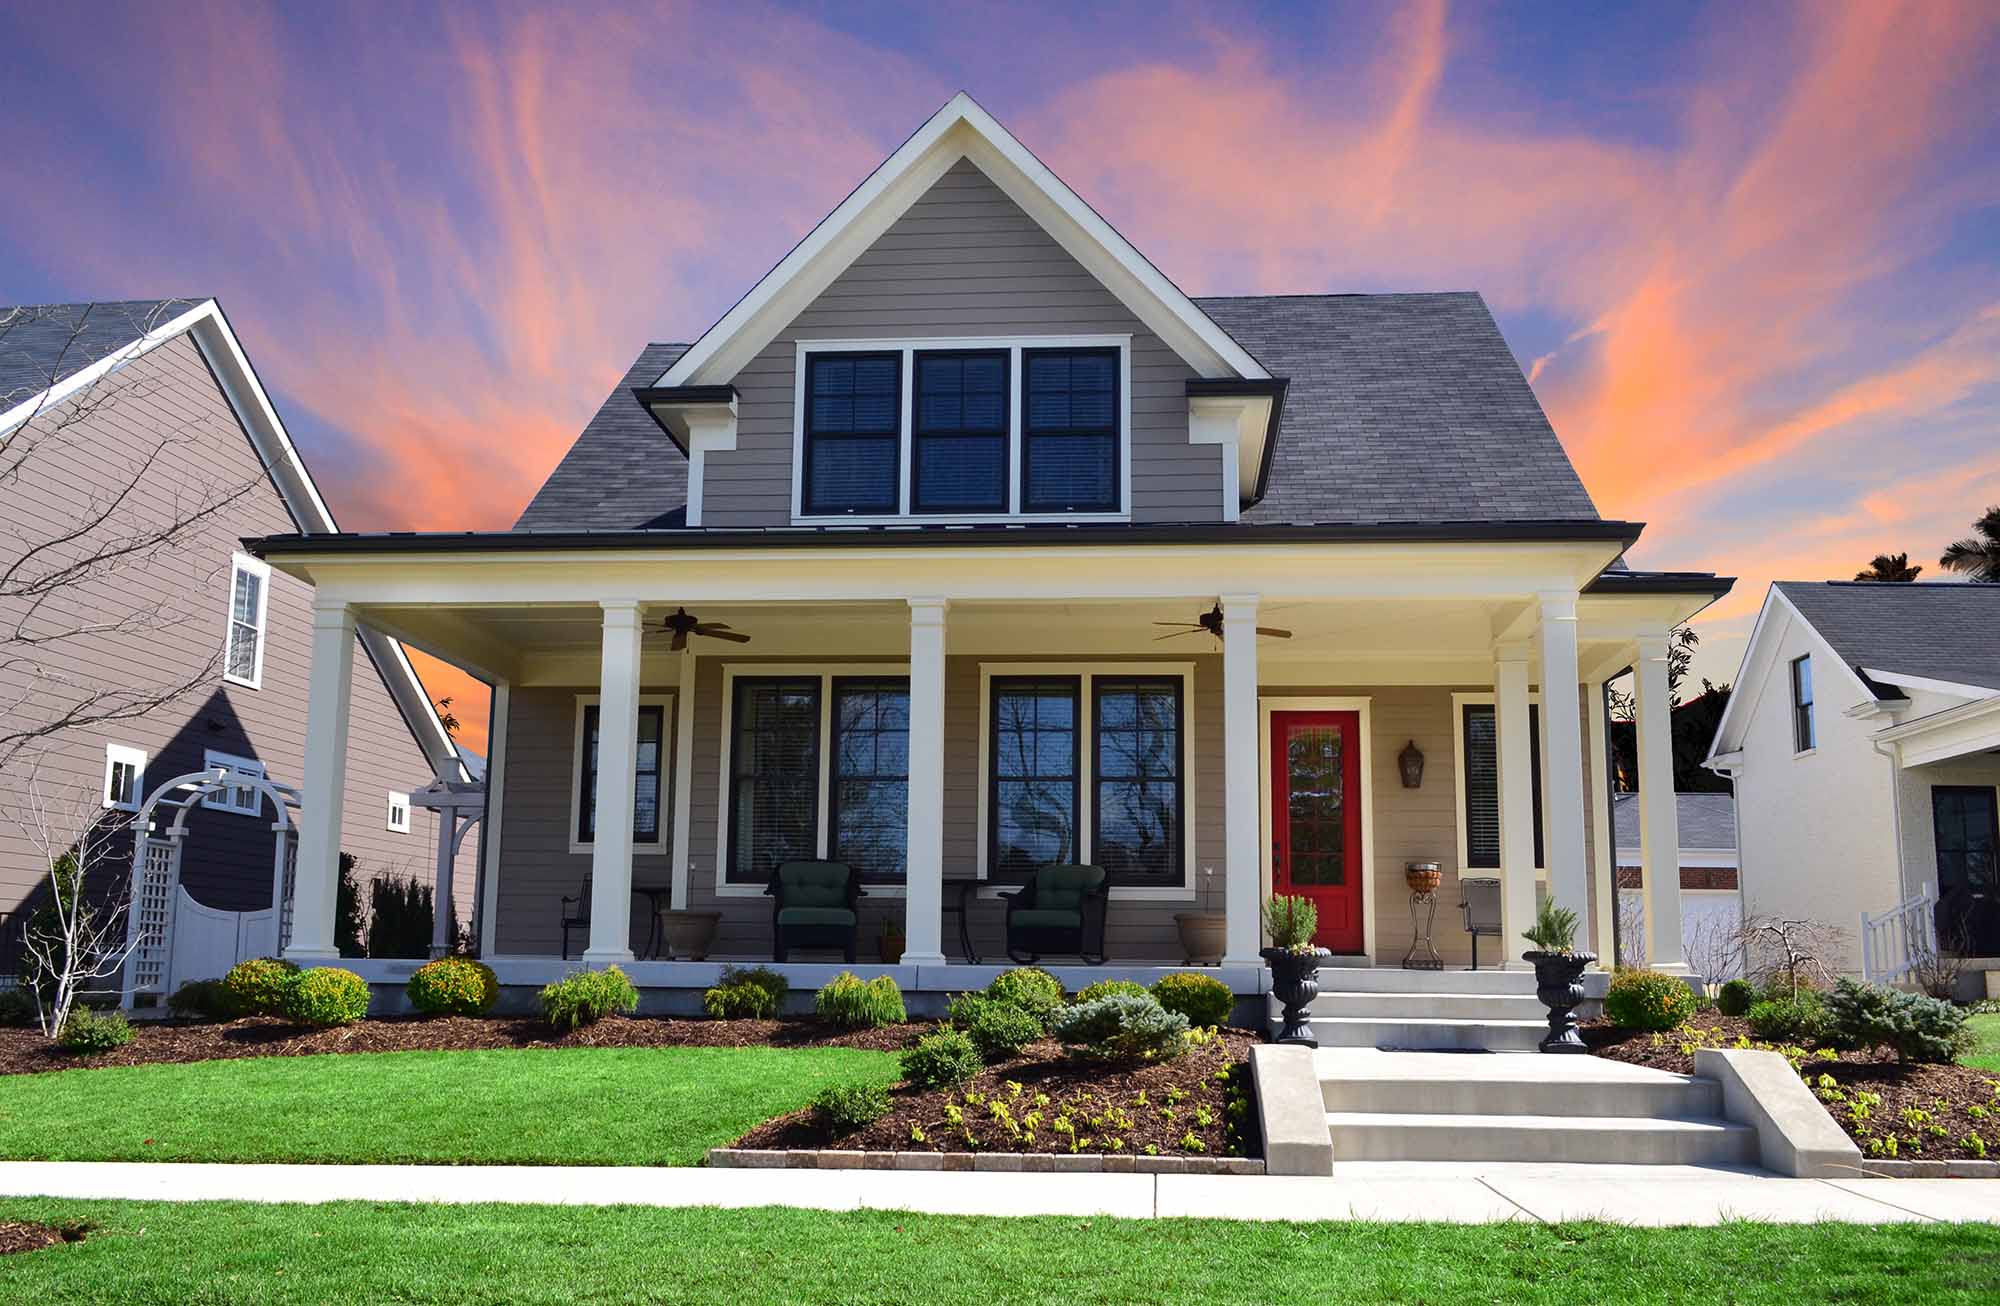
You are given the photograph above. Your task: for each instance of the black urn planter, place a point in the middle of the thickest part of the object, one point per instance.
(1295, 982)
(1559, 984)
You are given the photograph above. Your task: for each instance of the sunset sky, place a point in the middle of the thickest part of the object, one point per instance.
(1749, 254)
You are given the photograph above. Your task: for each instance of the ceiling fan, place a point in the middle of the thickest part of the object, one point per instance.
(682, 624)
(1211, 621)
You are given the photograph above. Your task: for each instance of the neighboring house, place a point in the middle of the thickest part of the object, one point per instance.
(1026, 557)
(104, 385)
(1711, 906)
(1864, 741)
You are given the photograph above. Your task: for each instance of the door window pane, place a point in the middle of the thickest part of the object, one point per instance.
(1316, 805)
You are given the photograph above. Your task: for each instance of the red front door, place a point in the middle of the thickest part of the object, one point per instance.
(1316, 818)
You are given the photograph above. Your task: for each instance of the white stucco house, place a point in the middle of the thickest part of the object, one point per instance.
(1864, 741)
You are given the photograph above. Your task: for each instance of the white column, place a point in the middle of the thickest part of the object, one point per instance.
(1659, 819)
(488, 924)
(923, 904)
(683, 768)
(617, 767)
(324, 790)
(1243, 874)
(1603, 856)
(1515, 750)
(1562, 759)
(444, 912)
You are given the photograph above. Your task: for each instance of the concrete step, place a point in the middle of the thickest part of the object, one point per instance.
(1385, 979)
(1682, 1098)
(1602, 1140)
(1427, 1035)
(1431, 1006)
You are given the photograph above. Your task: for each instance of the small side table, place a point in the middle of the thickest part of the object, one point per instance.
(1424, 879)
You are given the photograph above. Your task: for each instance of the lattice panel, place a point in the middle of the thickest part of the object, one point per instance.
(156, 875)
(285, 904)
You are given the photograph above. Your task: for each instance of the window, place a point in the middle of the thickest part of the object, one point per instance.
(774, 775)
(243, 657)
(647, 785)
(1034, 768)
(959, 440)
(1136, 776)
(1804, 737)
(241, 799)
(399, 813)
(853, 433)
(1481, 745)
(870, 802)
(1069, 454)
(124, 777)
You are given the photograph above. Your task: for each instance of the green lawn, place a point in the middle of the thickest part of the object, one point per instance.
(1986, 1055)
(570, 1106)
(232, 1252)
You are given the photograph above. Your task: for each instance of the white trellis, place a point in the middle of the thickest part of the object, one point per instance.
(156, 868)
(459, 806)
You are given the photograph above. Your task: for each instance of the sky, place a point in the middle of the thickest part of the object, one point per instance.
(1747, 253)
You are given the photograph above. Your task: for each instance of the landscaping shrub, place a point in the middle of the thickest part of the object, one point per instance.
(1123, 1028)
(327, 995)
(1203, 999)
(740, 1001)
(1735, 997)
(257, 987)
(399, 917)
(1800, 1020)
(1919, 1028)
(454, 986)
(941, 1059)
(1104, 988)
(200, 1000)
(87, 1032)
(1030, 988)
(17, 1007)
(1646, 999)
(587, 997)
(850, 1002)
(1000, 1030)
(964, 1008)
(844, 1108)
(763, 977)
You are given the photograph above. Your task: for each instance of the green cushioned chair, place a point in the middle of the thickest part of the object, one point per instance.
(1060, 910)
(815, 907)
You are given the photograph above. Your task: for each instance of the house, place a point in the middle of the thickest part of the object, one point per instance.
(1711, 906)
(1863, 739)
(157, 401)
(966, 543)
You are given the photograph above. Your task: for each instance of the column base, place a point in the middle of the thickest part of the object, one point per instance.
(924, 959)
(609, 957)
(1234, 959)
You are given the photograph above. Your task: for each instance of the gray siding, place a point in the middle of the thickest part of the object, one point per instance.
(964, 261)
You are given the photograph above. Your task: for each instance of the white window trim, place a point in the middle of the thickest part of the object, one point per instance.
(909, 348)
(825, 672)
(1459, 702)
(664, 835)
(1792, 703)
(241, 563)
(1085, 672)
(134, 758)
(218, 800)
(398, 802)
(1363, 707)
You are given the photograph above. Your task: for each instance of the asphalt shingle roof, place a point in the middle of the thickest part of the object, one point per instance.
(1707, 821)
(1941, 631)
(623, 473)
(40, 344)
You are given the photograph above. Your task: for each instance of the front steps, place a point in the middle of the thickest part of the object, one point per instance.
(1455, 1010)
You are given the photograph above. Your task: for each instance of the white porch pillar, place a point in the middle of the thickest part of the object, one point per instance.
(1243, 874)
(444, 912)
(617, 766)
(324, 789)
(683, 768)
(1659, 819)
(923, 903)
(1603, 855)
(487, 911)
(1517, 799)
(1562, 759)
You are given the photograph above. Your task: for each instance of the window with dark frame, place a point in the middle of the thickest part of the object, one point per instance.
(870, 783)
(646, 783)
(853, 433)
(1482, 783)
(958, 444)
(1035, 761)
(1136, 778)
(773, 775)
(1069, 430)
(1804, 737)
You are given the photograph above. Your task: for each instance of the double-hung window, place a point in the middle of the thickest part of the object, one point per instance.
(853, 433)
(1036, 726)
(1136, 807)
(241, 799)
(773, 775)
(1480, 742)
(648, 776)
(243, 651)
(1804, 737)
(870, 784)
(124, 777)
(1069, 431)
(959, 439)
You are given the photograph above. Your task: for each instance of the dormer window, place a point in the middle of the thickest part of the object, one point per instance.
(1070, 460)
(853, 427)
(959, 444)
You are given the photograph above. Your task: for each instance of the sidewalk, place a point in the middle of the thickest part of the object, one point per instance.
(1399, 1191)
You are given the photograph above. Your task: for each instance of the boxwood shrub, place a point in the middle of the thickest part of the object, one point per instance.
(1203, 999)
(1123, 1028)
(941, 1059)
(586, 997)
(200, 1000)
(88, 1032)
(257, 987)
(1646, 999)
(1000, 1030)
(844, 1108)
(326, 996)
(1800, 1020)
(1104, 988)
(1735, 997)
(454, 986)
(850, 1002)
(1030, 988)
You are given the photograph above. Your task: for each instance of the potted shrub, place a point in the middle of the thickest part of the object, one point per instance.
(891, 942)
(1558, 974)
(1294, 961)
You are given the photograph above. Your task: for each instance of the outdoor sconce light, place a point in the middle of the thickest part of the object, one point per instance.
(1411, 762)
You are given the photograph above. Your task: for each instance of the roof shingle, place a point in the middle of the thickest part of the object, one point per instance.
(41, 344)
(1938, 630)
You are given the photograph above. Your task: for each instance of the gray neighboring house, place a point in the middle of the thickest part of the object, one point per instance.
(102, 386)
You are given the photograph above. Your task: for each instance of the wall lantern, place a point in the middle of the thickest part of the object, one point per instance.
(1411, 762)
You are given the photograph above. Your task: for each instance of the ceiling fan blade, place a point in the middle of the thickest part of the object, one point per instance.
(710, 627)
(679, 642)
(1176, 634)
(729, 635)
(1274, 632)
(1188, 625)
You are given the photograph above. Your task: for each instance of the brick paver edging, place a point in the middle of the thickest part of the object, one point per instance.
(743, 1158)
(1874, 1169)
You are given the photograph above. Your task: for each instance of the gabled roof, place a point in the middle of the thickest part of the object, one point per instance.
(961, 129)
(621, 473)
(1707, 821)
(60, 348)
(1937, 631)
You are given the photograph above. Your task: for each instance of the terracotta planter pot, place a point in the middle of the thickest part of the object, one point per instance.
(1201, 937)
(1426, 880)
(689, 933)
(1559, 984)
(1295, 983)
(889, 949)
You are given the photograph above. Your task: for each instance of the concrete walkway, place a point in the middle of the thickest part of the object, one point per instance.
(1399, 1191)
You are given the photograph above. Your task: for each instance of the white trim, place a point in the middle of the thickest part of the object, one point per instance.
(242, 564)
(115, 755)
(1948, 687)
(961, 129)
(494, 824)
(1363, 705)
(233, 800)
(398, 819)
(909, 347)
(1459, 702)
(1085, 672)
(661, 841)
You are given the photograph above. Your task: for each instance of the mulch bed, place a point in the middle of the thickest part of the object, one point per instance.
(23, 1051)
(1171, 1108)
(31, 1236)
(1926, 1110)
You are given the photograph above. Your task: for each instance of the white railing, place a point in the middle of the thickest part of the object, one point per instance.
(1895, 943)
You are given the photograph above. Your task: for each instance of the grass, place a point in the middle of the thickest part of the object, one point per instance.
(569, 1106)
(236, 1252)
(1986, 1054)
